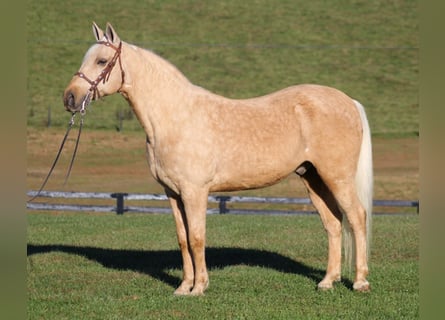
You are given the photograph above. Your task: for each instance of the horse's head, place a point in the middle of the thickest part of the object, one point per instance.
(97, 76)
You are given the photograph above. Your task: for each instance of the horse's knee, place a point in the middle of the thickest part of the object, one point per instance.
(196, 234)
(183, 244)
(196, 241)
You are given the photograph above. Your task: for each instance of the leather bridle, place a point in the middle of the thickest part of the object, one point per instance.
(103, 76)
(105, 73)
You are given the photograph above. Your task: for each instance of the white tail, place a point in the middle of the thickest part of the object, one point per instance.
(364, 186)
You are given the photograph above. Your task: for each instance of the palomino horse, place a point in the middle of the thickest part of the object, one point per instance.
(199, 142)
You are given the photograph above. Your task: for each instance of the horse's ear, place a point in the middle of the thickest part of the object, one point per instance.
(111, 34)
(98, 33)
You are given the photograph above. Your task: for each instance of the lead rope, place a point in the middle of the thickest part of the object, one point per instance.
(75, 150)
(70, 125)
(82, 113)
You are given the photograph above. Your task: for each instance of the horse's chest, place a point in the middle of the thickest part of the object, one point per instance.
(159, 167)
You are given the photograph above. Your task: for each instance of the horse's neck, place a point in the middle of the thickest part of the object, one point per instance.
(154, 87)
(151, 74)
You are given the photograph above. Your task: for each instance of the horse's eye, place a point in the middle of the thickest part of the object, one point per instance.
(102, 62)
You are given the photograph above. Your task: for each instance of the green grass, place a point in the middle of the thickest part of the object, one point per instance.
(369, 49)
(86, 266)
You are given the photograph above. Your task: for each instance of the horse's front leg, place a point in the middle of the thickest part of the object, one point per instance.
(195, 205)
(188, 276)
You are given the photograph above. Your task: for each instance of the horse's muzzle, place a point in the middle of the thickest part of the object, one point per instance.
(74, 105)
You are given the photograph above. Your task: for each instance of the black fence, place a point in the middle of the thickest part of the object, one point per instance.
(222, 203)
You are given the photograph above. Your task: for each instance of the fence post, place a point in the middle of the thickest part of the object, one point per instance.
(120, 209)
(223, 204)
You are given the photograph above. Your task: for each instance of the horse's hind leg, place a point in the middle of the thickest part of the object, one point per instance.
(331, 217)
(342, 191)
(346, 195)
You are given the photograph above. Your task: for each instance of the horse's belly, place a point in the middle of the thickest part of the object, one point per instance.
(242, 176)
(258, 162)
(245, 184)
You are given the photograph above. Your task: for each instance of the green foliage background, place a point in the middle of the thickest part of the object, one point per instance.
(369, 49)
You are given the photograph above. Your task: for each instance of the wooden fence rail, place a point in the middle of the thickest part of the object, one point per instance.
(221, 200)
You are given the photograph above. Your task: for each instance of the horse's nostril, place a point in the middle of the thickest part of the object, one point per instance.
(69, 100)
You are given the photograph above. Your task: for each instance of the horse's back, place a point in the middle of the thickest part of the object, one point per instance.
(313, 113)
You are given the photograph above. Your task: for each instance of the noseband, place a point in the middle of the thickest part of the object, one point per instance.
(105, 73)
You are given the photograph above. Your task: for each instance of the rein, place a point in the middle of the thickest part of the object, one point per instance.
(70, 125)
(74, 152)
(103, 76)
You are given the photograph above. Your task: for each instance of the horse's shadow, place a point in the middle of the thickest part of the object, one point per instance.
(155, 263)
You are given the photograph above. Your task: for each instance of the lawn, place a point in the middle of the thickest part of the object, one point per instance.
(88, 266)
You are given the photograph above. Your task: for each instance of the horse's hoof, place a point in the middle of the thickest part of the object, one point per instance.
(361, 286)
(183, 290)
(198, 289)
(325, 286)
(197, 293)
